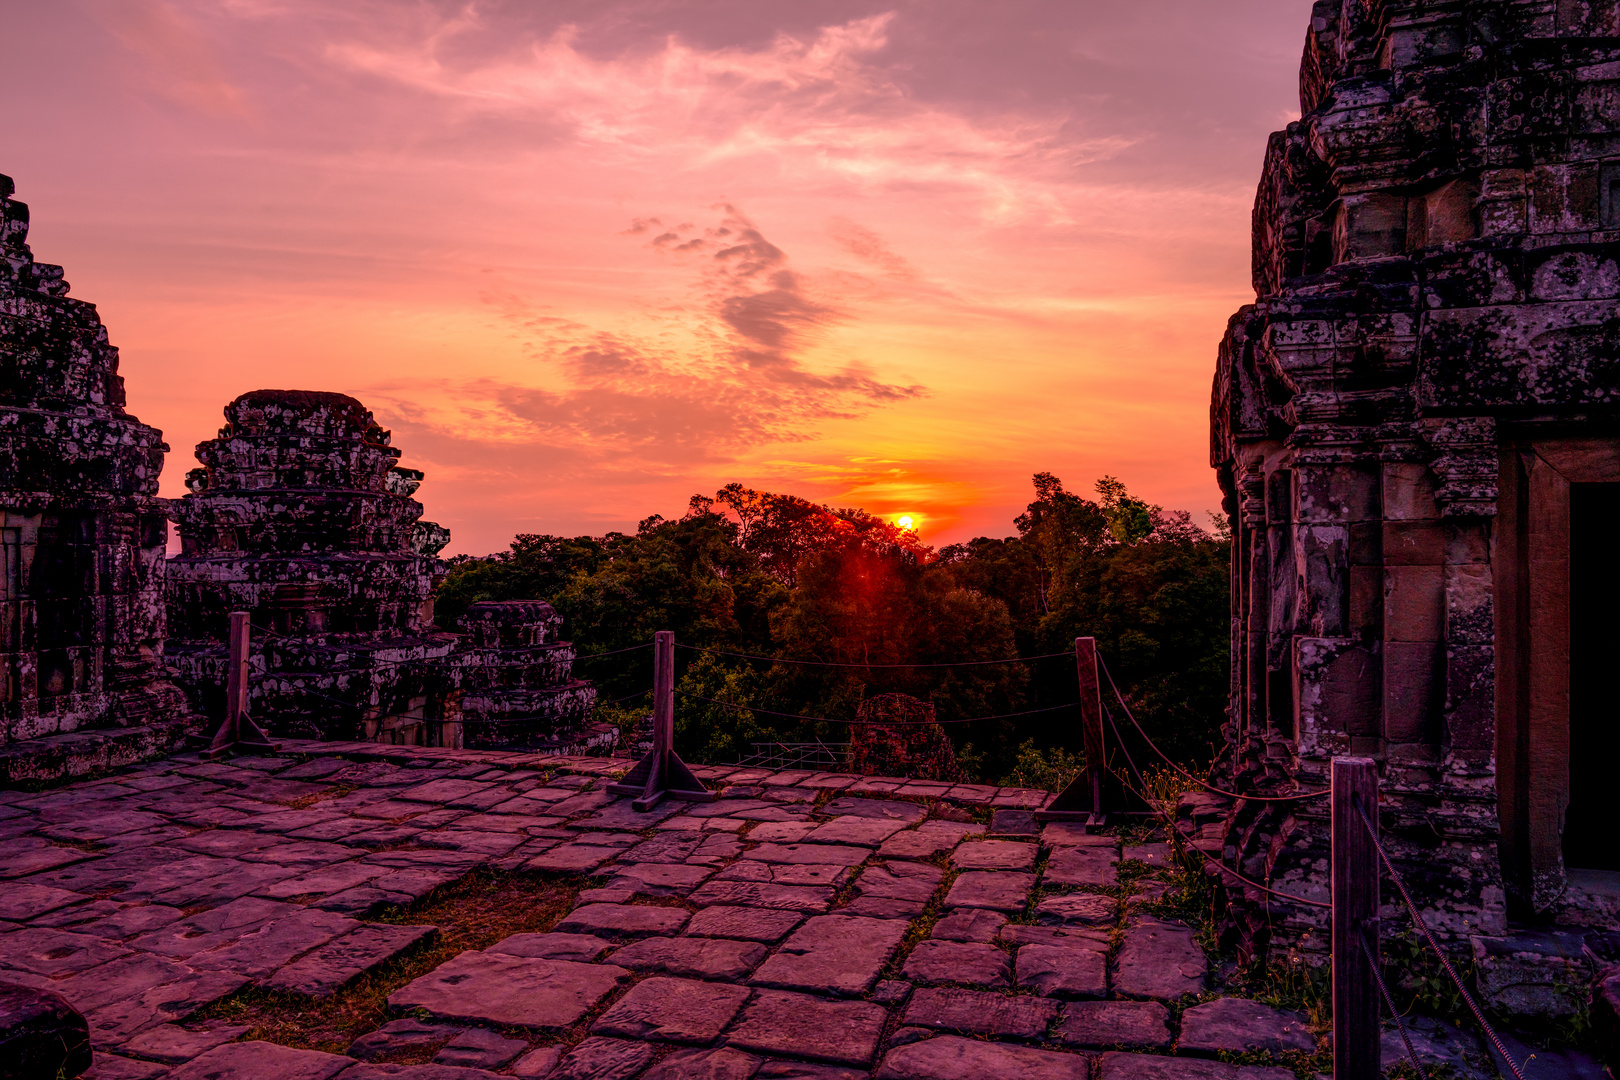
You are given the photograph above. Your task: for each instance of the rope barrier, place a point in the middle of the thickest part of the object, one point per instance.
(1406, 897)
(1378, 977)
(872, 723)
(835, 664)
(1184, 773)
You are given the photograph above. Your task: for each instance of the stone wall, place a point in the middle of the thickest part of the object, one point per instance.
(82, 536)
(516, 680)
(1435, 265)
(898, 735)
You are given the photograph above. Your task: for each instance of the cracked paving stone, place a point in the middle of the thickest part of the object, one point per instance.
(1159, 960)
(501, 989)
(880, 809)
(995, 855)
(853, 829)
(172, 1001)
(265, 948)
(1124, 1066)
(1067, 971)
(900, 881)
(997, 890)
(327, 880)
(692, 957)
(261, 1061)
(781, 832)
(55, 952)
(673, 1010)
(798, 1025)
(582, 948)
(720, 1064)
(479, 1049)
(1080, 866)
(785, 873)
(969, 924)
(1243, 1027)
(668, 847)
(768, 925)
(951, 1057)
(571, 859)
(336, 964)
(763, 894)
(833, 954)
(21, 901)
(974, 1012)
(821, 854)
(883, 907)
(1104, 1025)
(971, 963)
(443, 792)
(623, 920)
(603, 1059)
(659, 879)
(398, 1036)
(172, 1044)
(1077, 909)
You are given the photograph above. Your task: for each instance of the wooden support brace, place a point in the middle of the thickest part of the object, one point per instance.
(662, 772)
(237, 734)
(1355, 920)
(1082, 800)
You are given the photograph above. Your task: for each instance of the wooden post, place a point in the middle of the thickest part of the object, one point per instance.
(237, 733)
(1082, 799)
(1355, 920)
(662, 772)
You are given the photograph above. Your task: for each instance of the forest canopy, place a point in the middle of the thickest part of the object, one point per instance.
(778, 576)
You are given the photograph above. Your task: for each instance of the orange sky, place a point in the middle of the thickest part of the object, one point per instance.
(587, 258)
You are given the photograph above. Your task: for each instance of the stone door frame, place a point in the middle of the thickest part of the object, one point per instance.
(1532, 576)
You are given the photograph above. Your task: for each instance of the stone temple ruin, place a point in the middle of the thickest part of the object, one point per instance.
(82, 534)
(299, 515)
(1417, 431)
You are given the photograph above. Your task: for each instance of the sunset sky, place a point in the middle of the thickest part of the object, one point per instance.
(588, 258)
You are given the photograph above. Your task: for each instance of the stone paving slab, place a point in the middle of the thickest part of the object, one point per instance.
(974, 1012)
(799, 1025)
(763, 894)
(951, 1057)
(768, 925)
(969, 924)
(1127, 1066)
(329, 968)
(785, 873)
(582, 948)
(995, 855)
(720, 1064)
(692, 957)
(833, 954)
(1081, 866)
(967, 963)
(261, 1061)
(1105, 1025)
(1159, 960)
(500, 989)
(1063, 971)
(1239, 1026)
(999, 891)
(623, 920)
(673, 1010)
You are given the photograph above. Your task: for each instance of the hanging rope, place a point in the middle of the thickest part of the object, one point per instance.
(834, 664)
(1184, 773)
(1378, 977)
(871, 723)
(1406, 897)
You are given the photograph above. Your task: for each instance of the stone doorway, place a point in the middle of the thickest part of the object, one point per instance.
(1558, 723)
(1590, 841)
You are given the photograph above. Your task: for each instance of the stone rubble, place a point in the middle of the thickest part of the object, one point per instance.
(658, 982)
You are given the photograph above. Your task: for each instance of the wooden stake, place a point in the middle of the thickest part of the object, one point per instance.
(662, 772)
(1355, 920)
(237, 733)
(1082, 800)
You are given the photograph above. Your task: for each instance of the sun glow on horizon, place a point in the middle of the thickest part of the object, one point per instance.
(906, 522)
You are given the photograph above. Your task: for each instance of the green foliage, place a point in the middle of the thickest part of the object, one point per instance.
(1044, 770)
(775, 575)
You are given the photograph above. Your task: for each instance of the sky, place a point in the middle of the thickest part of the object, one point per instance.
(586, 258)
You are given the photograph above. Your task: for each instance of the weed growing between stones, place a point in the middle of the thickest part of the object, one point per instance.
(475, 912)
(1304, 1066)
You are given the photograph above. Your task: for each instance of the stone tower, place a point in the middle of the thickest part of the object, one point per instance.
(82, 535)
(517, 683)
(1417, 427)
(301, 516)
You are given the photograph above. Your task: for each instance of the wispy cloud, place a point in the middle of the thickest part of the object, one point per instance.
(180, 63)
(742, 380)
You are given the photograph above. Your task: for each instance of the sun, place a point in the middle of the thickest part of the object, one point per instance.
(906, 521)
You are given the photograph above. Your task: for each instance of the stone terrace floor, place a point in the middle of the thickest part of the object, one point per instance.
(806, 926)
